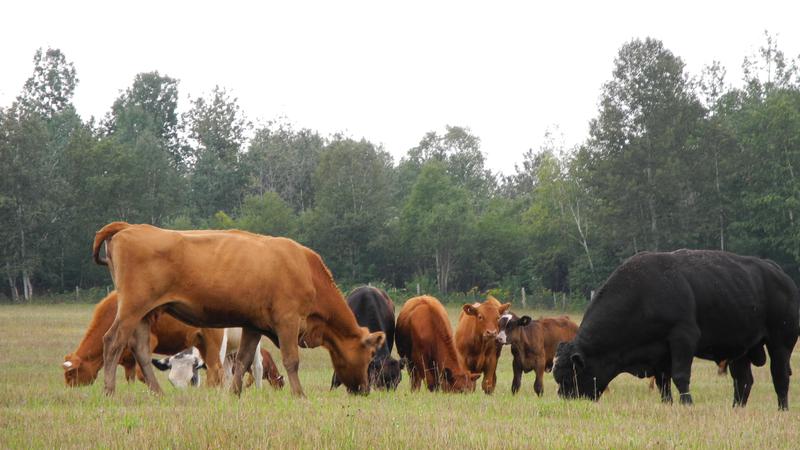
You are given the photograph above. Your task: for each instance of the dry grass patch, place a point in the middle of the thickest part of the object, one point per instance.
(38, 411)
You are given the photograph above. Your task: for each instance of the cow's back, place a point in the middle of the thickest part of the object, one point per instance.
(371, 309)
(280, 278)
(735, 301)
(555, 330)
(422, 326)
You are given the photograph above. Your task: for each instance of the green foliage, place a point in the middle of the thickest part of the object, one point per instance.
(671, 161)
(268, 215)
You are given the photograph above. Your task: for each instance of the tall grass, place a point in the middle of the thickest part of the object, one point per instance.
(38, 411)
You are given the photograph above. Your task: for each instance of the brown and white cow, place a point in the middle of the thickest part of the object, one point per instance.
(425, 340)
(533, 344)
(267, 285)
(168, 336)
(476, 339)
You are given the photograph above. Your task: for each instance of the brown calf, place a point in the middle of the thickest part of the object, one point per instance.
(266, 285)
(533, 344)
(425, 339)
(476, 339)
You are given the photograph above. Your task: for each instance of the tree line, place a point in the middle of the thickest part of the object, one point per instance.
(672, 160)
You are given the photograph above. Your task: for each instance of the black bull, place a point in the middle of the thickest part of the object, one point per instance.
(659, 310)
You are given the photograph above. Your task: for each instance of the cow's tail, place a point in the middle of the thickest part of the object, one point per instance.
(103, 235)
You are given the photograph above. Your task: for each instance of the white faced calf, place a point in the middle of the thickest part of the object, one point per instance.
(184, 367)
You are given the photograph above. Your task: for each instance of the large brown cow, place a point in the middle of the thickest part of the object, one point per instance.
(167, 336)
(476, 339)
(533, 344)
(425, 339)
(266, 285)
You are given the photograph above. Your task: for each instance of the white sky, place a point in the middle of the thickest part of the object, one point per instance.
(386, 71)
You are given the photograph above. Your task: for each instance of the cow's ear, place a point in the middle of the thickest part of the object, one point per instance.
(374, 340)
(470, 310)
(577, 360)
(162, 364)
(71, 362)
(524, 321)
(504, 307)
(474, 376)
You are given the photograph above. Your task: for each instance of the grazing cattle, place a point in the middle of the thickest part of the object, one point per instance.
(374, 309)
(657, 311)
(533, 344)
(476, 339)
(425, 340)
(266, 285)
(184, 367)
(167, 336)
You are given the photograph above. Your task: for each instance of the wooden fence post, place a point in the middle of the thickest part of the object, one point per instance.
(524, 303)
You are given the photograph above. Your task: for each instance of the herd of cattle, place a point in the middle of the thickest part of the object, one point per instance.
(207, 298)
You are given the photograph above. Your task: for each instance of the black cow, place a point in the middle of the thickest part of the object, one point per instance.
(659, 310)
(374, 309)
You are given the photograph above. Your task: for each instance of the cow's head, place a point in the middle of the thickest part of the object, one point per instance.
(576, 376)
(385, 373)
(77, 372)
(487, 315)
(458, 381)
(351, 358)
(184, 367)
(511, 328)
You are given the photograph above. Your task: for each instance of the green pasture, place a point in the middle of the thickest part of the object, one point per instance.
(38, 411)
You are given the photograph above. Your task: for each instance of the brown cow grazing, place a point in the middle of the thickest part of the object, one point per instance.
(167, 336)
(533, 344)
(476, 339)
(266, 285)
(425, 340)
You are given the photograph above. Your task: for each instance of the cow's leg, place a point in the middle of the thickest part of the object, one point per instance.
(433, 375)
(288, 332)
(128, 362)
(244, 357)
(258, 366)
(209, 348)
(114, 342)
(138, 370)
(742, 375)
(780, 369)
(335, 383)
(416, 371)
(682, 344)
(489, 375)
(517, 381)
(662, 379)
(538, 383)
(141, 351)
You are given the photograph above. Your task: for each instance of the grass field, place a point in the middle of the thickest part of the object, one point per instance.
(38, 411)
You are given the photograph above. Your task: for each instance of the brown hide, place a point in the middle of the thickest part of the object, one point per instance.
(266, 285)
(476, 341)
(534, 347)
(167, 336)
(425, 339)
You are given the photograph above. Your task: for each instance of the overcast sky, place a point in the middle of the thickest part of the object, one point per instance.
(386, 71)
